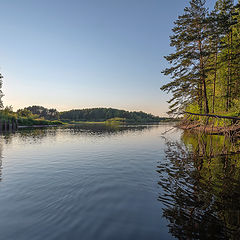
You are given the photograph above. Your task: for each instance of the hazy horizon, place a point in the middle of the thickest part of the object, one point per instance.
(84, 54)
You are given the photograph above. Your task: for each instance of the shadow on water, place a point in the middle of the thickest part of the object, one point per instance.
(200, 181)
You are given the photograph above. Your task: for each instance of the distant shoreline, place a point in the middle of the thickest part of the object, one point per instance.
(92, 123)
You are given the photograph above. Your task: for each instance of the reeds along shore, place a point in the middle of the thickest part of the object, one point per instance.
(8, 125)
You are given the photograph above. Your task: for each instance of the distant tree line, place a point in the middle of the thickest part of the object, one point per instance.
(91, 114)
(103, 114)
(205, 65)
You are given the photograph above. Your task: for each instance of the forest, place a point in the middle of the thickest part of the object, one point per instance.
(39, 115)
(103, 114)
(205, 63)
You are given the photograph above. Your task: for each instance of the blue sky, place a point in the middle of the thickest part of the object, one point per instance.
(70, 54)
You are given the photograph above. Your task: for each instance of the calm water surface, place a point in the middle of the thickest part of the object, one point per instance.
(118, 183)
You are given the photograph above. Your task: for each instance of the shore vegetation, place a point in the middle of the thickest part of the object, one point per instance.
(41, 116)
(205, 64)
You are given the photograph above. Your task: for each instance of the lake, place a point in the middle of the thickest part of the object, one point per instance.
(131, 182)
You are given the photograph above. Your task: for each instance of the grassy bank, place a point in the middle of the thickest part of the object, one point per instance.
(115, 121)
(38, 122)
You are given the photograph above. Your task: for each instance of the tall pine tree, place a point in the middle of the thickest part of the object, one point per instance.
(189, 61)
(225, 22)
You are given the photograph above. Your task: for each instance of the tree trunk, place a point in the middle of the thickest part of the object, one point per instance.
(203, 79)
(206, 108)
(228, 99)
(200, 97)
(215, 78)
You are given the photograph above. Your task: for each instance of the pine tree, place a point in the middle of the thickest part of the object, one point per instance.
(189, 61)
(214, 46)
(1, 93)
(225, 12)
(235, 55)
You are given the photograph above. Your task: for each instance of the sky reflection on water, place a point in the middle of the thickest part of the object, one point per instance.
(88, 183)
(97, 182)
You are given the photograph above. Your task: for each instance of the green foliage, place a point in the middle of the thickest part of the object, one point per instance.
(104, 114)
(205, 67)
(25, 121)
(42, 112)
(26, 113)
(38, 115)
(7, 113)
(115, 121)
(188, 62)
(25, 117)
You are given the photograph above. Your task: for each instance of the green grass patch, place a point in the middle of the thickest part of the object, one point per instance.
(31, 122)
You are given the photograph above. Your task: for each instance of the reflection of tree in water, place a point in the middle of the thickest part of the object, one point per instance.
(84, 130)
(29, 135)
(201, 187)
(32, 135)
(36, 135)
(106, 130)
